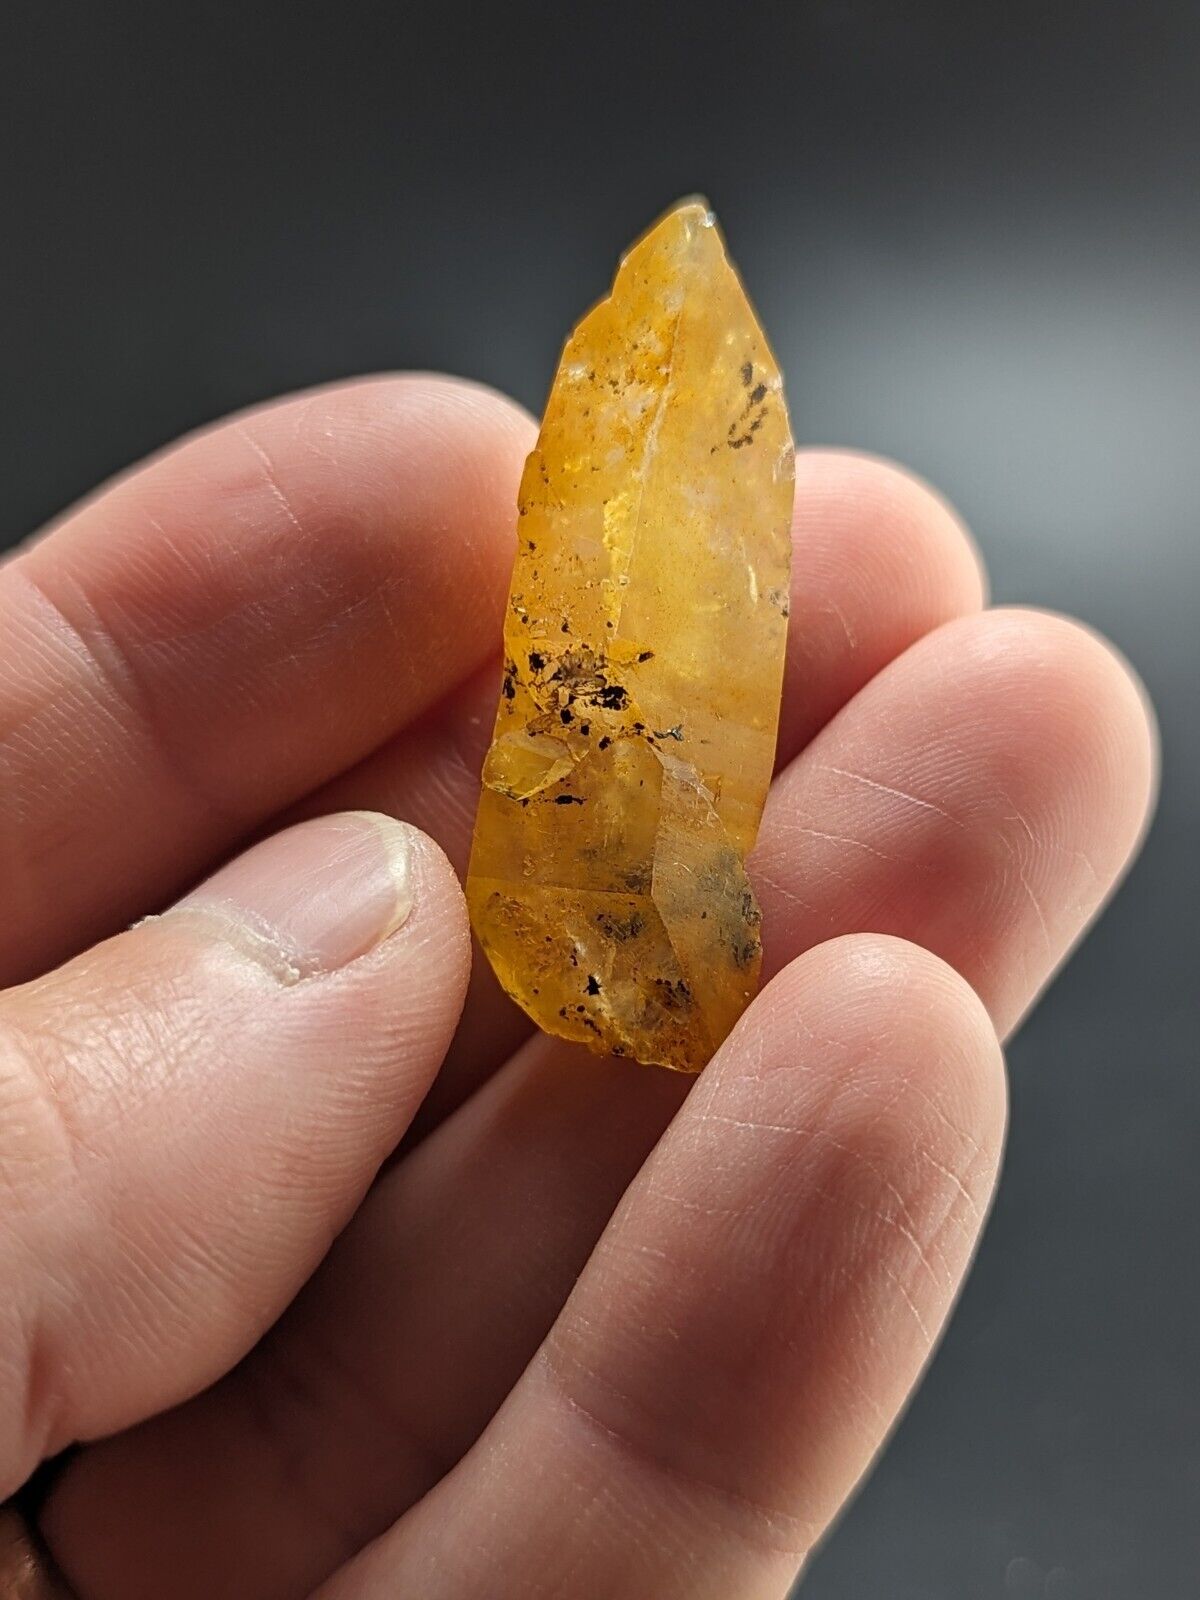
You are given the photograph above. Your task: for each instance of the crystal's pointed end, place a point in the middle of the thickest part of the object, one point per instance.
(644, 649)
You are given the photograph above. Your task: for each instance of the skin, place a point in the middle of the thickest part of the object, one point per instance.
(593, 1329)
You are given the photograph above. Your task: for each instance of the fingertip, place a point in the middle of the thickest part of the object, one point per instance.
(1103, 698)
(900, 518)
(903, 1029)
(1063, 712)
(318, 896)
(391, 1012)
(437, 922)
(880, 560)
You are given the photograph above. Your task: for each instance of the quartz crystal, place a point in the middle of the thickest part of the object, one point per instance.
(644, 647)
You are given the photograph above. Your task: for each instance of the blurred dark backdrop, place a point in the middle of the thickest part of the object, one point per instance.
(974, 233)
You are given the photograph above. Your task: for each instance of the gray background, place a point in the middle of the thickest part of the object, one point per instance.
(972, 231)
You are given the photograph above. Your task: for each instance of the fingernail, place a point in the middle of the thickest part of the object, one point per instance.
(320, 894)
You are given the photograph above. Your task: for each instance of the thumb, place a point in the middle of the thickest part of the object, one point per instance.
(191, 1111)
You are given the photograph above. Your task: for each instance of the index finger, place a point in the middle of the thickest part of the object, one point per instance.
(231, 625)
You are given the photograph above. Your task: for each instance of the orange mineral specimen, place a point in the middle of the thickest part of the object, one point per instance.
(644, 648)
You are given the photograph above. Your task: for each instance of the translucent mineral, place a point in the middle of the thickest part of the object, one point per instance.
(644, 647)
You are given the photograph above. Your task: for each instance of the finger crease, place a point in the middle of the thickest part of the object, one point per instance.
(113, 668)
(760, 1527)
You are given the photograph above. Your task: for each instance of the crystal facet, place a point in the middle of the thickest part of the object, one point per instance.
(644, 647)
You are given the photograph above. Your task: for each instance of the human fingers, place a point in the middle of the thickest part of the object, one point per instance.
(749, 1325)
(190, 1112)
(495, 1213)
(982, 798)
(228, 626)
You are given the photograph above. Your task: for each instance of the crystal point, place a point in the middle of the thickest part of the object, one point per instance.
(644, 647)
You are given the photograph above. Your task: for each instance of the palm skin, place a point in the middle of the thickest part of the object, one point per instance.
(593, 1330)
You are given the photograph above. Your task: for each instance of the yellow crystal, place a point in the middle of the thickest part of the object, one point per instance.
(644, 647)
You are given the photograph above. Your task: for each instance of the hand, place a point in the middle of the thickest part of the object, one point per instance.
(510, 1378)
